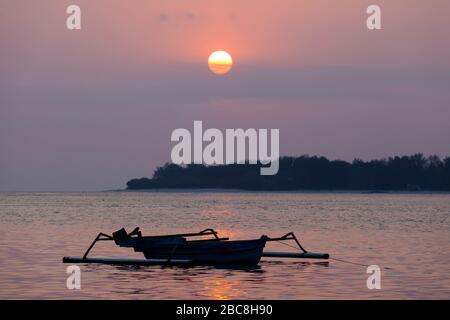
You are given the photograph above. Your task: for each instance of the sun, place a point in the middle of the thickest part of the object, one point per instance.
(220, 62)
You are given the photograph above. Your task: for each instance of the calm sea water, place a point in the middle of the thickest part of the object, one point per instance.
(407, 233)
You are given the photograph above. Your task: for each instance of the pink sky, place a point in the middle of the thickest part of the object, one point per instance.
(90, 109)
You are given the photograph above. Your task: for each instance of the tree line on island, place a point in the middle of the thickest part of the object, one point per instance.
(412, 173)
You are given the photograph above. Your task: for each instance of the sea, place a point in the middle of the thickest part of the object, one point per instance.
(406, 236)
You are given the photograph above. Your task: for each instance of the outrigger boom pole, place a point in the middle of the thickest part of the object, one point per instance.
(305, 254)
(98, 238)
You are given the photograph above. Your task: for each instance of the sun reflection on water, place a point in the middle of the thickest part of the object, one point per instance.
(221, 289)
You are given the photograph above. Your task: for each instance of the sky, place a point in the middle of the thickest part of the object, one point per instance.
(90, 109)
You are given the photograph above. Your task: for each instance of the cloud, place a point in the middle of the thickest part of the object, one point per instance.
(186, 16)
(163, 17)
(195, 84)
(189, 15)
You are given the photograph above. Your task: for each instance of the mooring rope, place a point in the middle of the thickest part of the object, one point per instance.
(350, 262)
(340, 260)
(356, 263)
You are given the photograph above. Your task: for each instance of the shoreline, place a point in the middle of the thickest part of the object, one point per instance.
(218, 190)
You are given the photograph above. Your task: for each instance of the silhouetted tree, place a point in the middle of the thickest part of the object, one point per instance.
(415, 172)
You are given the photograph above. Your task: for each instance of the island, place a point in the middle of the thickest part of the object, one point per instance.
(399, 173)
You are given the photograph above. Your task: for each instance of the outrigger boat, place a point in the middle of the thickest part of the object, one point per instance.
(182, 249)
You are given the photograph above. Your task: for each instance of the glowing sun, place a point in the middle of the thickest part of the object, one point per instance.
(220, 62)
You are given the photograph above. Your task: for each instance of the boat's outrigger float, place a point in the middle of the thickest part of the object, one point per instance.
(176, 249)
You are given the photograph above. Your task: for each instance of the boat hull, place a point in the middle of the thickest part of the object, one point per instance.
(248, 252)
